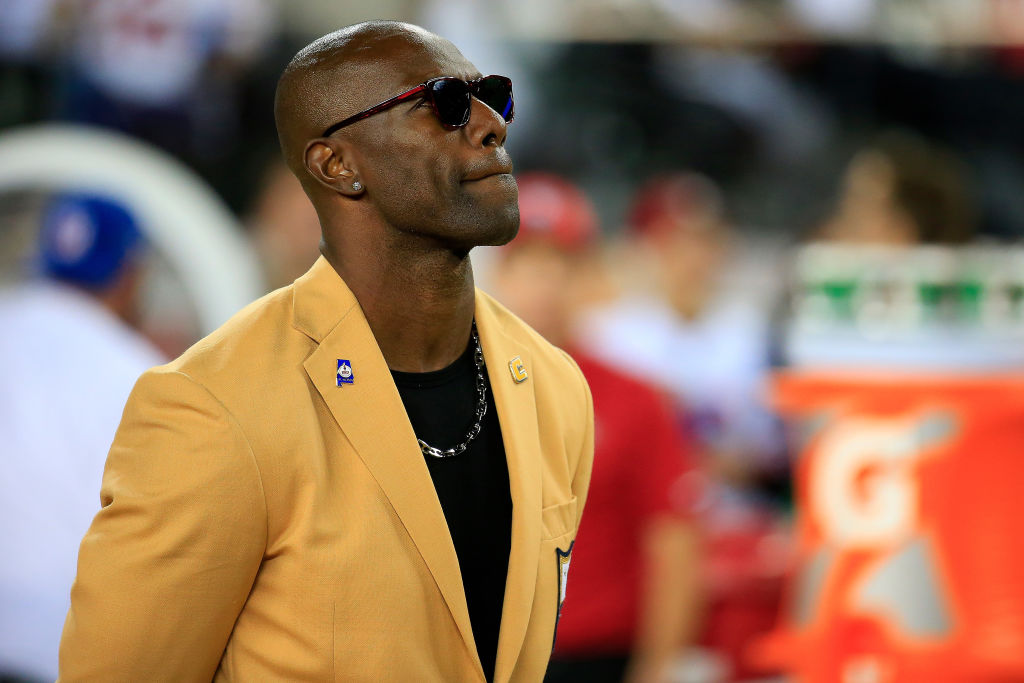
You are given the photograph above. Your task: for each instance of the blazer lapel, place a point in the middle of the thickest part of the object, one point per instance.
(517, 414)
(371, 414)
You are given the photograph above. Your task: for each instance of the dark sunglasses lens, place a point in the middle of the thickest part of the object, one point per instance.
(496, 93)
(452, 101)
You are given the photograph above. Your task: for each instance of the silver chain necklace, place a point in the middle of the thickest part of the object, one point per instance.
(481, 409)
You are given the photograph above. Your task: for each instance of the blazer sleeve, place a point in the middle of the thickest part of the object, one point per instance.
(169, 560)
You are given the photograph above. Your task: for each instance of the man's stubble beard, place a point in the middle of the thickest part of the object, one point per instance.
(466, 224)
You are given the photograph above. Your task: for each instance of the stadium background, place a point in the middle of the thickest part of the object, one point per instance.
(769, 100)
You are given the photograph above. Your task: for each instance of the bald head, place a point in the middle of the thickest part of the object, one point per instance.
(400, 175)
(343, 73)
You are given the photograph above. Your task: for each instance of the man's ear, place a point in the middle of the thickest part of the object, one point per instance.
(330, 161)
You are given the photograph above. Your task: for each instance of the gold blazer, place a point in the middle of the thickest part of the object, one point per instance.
(260, 522)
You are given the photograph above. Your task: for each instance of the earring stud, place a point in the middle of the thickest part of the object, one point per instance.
(357, 186)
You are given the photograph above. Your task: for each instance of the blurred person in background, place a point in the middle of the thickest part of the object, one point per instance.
(166, 71)
(69, 358)
(284, 227)
(635, 606)
(899, 190)
(881, 269)
(675, 327)
(678, 327)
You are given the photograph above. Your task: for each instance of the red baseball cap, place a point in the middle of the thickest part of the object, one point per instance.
(671, 202)
(554, 210)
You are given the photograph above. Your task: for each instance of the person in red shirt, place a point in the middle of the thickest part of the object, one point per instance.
(631, 604)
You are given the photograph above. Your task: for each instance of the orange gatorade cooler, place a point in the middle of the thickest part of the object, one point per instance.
(910, 499)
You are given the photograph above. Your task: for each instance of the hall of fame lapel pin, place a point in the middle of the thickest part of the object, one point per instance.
(345, 374)
(518, 370)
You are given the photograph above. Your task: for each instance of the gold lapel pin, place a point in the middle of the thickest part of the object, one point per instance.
(518, 370)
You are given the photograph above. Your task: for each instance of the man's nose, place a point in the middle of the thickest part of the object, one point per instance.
(486, 127)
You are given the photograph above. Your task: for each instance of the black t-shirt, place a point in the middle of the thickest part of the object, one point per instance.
(472, 487)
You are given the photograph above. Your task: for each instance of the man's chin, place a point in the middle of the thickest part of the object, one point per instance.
(498, 212)
(501, 229)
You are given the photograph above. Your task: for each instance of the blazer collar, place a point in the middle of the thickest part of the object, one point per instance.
(320, 299)
(517, 414)
(326, 310)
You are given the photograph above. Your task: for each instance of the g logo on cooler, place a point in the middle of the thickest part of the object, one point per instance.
(864, 486)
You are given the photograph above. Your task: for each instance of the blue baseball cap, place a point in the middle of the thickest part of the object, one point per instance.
(87, 240)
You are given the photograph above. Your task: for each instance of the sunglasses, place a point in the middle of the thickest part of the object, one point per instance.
(451, 99)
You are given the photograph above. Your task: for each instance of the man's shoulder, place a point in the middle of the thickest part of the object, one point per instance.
(256, 341)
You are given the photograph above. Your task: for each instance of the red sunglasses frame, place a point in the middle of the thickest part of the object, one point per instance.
(424, 90)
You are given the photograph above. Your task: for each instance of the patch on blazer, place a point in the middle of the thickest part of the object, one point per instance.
(345, 374)
(563, 557)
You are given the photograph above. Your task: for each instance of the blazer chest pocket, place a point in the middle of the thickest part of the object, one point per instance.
(559, 519)
(559, 530)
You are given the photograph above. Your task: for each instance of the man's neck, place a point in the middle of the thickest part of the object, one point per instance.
(418, 301)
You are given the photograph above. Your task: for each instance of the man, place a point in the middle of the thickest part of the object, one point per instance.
(319, 490)
(686, 331)
(67, 364)
(634, 606)
(708, 348)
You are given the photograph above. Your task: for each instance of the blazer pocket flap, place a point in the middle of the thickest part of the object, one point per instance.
(559, 519)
